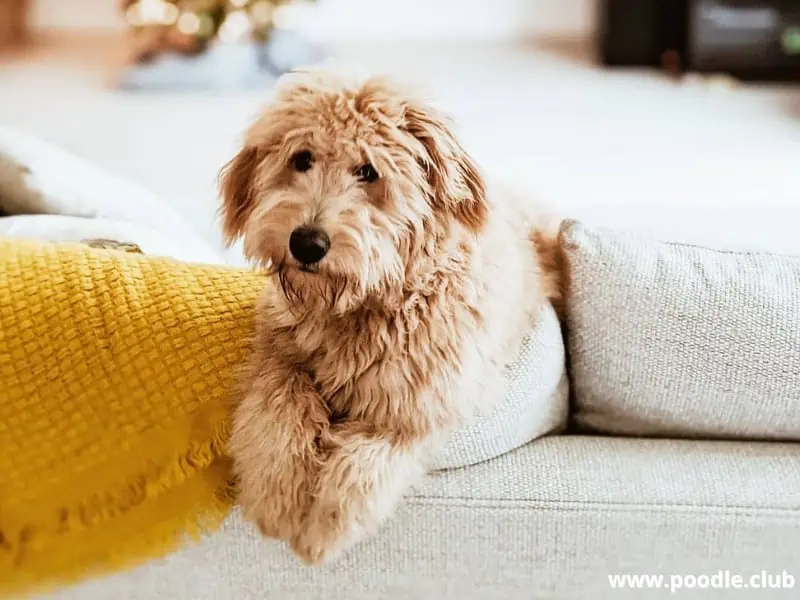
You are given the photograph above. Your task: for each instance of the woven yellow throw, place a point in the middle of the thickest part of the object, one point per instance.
(116, 372)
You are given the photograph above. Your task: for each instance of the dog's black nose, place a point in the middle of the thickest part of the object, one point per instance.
(309, 244)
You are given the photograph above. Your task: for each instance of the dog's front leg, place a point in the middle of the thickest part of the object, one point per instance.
(363, 479)
(273, 443)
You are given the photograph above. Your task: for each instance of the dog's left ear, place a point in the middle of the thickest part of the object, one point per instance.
(455, 180)
(236, 185)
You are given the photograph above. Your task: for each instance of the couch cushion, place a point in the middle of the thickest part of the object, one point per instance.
(551, 520)
(671, 339)
(535, 401)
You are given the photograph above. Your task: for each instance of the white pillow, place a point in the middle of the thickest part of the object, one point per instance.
(73, 200)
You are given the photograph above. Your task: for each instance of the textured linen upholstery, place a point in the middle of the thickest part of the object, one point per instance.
(535, 401)
(670, 339)
(549, 521)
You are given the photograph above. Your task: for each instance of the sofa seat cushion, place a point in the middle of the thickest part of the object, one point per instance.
(681, 341)
(551, 520)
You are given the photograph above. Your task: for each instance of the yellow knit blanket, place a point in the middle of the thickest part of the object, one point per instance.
(115, 376)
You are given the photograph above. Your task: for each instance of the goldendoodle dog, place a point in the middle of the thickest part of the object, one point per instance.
(402, 288)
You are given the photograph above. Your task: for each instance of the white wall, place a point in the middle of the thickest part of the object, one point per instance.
(453, 18)
(379, 19)
(75, 14)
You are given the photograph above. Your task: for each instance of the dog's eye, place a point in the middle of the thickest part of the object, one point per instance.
(302, 161)
(367, 173)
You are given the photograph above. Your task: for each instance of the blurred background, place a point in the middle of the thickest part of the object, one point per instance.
(647, 112)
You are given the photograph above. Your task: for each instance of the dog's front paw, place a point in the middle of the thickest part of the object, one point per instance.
(267, 528)
(273, 516)
(324, 536)
(273, 464)
(311, 551)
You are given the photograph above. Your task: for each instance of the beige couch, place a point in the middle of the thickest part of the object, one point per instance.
(551, 520)
(697, 349)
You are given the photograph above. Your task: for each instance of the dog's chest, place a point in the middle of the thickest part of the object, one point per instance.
(352, 360)
(341, 364)
(376, 367)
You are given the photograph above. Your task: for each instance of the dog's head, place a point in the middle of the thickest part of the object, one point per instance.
(339, 186)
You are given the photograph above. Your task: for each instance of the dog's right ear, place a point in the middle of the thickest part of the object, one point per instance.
(237, 189)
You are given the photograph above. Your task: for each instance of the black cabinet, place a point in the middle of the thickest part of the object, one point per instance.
(750, 39)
